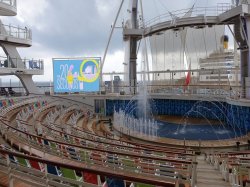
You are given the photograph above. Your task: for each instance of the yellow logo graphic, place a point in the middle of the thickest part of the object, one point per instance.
(86, 76)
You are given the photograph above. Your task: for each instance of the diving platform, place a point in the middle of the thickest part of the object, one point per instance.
(10, 66)
(16, 36)
(200, 18)
(12, 37)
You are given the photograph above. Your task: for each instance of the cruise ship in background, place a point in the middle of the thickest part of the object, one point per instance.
(178, 118)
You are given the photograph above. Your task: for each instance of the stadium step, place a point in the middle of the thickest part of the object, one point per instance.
(207, 176)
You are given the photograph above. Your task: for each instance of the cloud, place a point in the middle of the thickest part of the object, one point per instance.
(83, 27)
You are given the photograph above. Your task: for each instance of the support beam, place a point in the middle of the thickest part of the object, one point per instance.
(28, 84)
(244, 71)
(109, 40)
(13, 55)
(133, 50)
(247, 65)
(242, 31)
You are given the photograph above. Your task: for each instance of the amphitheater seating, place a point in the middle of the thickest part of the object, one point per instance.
(22, 162)
(234, 166)
(71, 174)
(73, 139)
(90, 178)
(53, 170)
(98, 159)
(113, 155)
(37, 165)
(67, 174)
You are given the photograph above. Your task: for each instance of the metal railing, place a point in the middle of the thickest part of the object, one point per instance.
(16, 32)
(223, 82)
(31, 64)
(96, 157)
(175, 90)
(196, 11)
(9, 2)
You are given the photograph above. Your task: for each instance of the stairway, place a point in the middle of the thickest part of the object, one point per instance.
(207, 176)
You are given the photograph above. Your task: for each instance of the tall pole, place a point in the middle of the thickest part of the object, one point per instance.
(109, 40)
(145, 44)
(133, 50)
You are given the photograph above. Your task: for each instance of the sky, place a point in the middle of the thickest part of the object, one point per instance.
(80, 28)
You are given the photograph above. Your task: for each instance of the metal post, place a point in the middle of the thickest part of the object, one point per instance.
(194, 174)
(133, 50)
(110, 36)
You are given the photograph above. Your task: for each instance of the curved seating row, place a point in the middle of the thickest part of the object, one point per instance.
(161, 168)
(75, 151)
(234, 166)
(76, 132)
(74, 118)
(94, 137)
(43, 172)
(73, 139)
(61, 134)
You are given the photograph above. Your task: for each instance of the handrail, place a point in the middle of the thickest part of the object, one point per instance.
(102, 140)
(31, 64)
(197, 11)
(14, 140)
(184, 167)
(110, 140)
(120, 145)
(138, 145)
(124, 176)
(16, 32)
(99, 150)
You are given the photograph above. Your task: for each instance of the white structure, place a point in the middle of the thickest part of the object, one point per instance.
(11, 38)
(222, 63)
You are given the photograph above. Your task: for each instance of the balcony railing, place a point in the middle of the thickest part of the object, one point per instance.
(196, 11)
(16, 32)
(31, 64)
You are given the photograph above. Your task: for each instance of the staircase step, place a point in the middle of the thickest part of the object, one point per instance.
(207, 176)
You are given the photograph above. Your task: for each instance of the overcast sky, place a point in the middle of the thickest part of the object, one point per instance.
(78, 28)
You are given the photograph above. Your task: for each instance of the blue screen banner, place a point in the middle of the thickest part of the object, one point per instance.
(76, 75)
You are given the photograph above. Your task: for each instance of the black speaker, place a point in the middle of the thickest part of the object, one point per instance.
(122, 93)
(103, 92)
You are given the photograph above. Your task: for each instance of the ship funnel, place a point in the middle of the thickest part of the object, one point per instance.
(224, 41)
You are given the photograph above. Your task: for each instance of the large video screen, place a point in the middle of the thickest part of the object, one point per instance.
(76, 75)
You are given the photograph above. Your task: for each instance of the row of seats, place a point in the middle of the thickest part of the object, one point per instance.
(73, 139)
(68, 137)
(141, 165)
(55, 174)
(95, 137)
(59, 130)
(234, 166)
